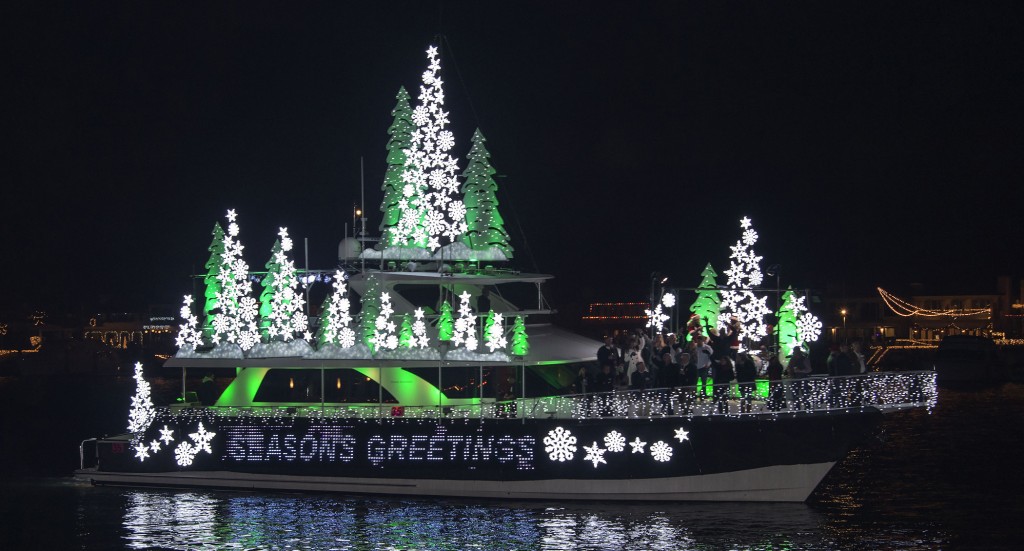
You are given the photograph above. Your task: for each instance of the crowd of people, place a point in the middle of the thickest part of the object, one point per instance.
(710, 360)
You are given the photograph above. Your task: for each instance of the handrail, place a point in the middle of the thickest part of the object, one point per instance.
(81, 452)
(885, 391)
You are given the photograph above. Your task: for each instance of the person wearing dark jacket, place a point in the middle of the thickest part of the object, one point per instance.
(746, 374)
(723, 376)
(776, 390)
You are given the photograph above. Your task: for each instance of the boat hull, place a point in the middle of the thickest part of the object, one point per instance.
(717, 458)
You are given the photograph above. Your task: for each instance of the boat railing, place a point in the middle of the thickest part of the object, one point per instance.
(884, 391)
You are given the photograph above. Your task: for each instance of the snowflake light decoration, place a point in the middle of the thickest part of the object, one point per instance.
(560, 444)
(167, 435)
(188, 332)
(809, 327)
(681, 434)
(656, 318)
(669, 300)
(429, 210)
(661, 451)
(142, 452)
(142, 411)
(595, 454)
(614, 441)
(186, 451)
(744, 274)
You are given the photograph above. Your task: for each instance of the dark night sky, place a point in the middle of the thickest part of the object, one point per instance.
(872, 144)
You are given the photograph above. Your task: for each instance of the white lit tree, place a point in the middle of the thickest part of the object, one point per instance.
(142, 411)
(384, 336)
(188, 332)
(465, 326)
(336, 318)
(236, 321)
(744, 274)
(429, 213)
(494, 331)
(419, 330)
(283, 317)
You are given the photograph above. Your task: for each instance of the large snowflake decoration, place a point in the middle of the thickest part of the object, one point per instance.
(656, 318)
(595, 454)
(614, 441)
(661, 451)
(430, 174)
(186, 451)
(142, 411)
(744, 274)
(560, 444)
(188, 332)
(809, 327)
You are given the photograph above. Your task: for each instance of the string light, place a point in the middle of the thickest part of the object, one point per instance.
(905, 309)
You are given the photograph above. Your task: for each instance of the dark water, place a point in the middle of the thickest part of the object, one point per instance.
(953, 479)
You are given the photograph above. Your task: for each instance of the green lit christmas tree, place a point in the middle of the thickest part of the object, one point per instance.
(405, 338)
(520, 342)
(400, 138)
(706, 307)
(371, 310)
(322, 330)
(786, 329)
(485, 226)
(445, 323)
(212, 280)
(267, 294)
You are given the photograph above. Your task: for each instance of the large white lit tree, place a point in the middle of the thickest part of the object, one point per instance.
(744, 275)
(336, 319)
(282, 316)
(429, 212)
(236, 320)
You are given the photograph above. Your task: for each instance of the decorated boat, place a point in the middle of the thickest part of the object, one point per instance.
(432, 368)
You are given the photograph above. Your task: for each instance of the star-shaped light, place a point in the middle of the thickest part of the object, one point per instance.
(638, 445)
(155, 446)
(744, 222)
(231, 215)
(166, 435)
(681, 434)
(142, 452)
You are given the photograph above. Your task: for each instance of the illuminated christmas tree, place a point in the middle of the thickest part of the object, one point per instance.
(335, 317)
(785, 329)
(465, 326)
(282, 315)
(429, 214)
(520, 342)
(707, 304)
(405, 338)
(484, 226)
(236, 321)
(384, 328)
(445, 324)
(211, 280)
(744, 274)
(400, 140)
(142, 411)
(494, 331)
(371, 309)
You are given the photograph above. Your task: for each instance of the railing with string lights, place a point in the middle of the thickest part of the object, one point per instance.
(886, 391)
